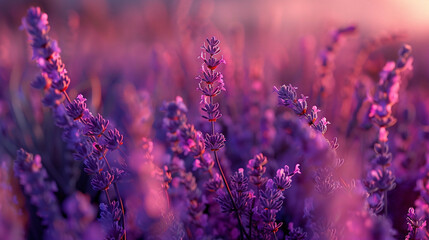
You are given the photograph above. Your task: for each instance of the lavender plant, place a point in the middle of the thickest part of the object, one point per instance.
(211, 85)
(381, 179)
(83, 131)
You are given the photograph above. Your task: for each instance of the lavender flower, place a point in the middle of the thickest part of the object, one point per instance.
(283, 178)
(110, 217)
(45, 51)
(95, 126)
(102, 181)
(76, 109)
(34, 178)
(93, 165)
(215, 141)
(114, 139)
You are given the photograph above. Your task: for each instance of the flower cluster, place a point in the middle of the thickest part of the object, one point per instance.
(171, 186)
(258, 209)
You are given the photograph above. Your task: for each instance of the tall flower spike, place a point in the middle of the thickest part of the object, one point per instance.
(45, 51)
(34, 179)
(211, 84)
(380, 178)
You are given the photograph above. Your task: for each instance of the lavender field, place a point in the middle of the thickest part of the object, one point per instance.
(203, 119)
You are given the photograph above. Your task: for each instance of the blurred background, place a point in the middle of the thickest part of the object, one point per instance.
(128, 57)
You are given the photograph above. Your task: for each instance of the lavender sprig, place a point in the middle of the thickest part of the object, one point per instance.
(380, 178)
(81, 127)
(288, 97)
(326, 61)
(34, 178)
(211, 84)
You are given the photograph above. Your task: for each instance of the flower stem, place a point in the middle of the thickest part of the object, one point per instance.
(119, 198)
(242, 230)
(230, 196)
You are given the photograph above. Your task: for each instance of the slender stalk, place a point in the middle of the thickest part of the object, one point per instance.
(275, 236)
(240, 222)
(251, 218)
(67, 96)
(118, 196)
(230, 196)
(168, 198)
(108, 197)
(385, 203)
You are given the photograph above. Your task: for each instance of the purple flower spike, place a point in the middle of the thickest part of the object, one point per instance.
(215, 141)
(102, 181)
(300, 107)
(34, 179)
(174, 109)
(76, 109)
(241, 201)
